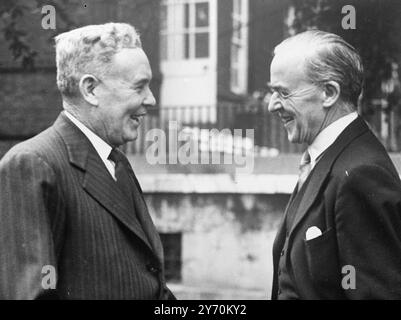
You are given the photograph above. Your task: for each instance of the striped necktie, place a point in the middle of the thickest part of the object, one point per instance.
(304, 169)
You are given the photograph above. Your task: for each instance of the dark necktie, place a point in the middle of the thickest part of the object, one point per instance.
(304, 169)
(122, 173)
(129, 186)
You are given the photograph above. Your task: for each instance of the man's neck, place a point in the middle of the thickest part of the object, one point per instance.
(80, 116)
(333, 114)
(328, 135)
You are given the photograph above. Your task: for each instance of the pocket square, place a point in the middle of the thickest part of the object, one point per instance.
(312, 233)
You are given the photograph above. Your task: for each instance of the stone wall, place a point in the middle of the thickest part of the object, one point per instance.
(226, 238)
(228, 225)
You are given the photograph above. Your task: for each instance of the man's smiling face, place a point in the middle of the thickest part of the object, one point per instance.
(296, 100)
(124, 96)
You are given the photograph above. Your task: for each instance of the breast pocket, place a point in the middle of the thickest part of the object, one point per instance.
(321, 253)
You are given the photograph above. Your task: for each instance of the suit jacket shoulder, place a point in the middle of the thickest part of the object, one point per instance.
(364, 151)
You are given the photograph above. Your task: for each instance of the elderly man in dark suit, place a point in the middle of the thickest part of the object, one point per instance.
(340, 237)
(74, 224)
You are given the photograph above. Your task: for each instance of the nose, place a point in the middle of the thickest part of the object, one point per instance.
(150, 100)
(274, 103)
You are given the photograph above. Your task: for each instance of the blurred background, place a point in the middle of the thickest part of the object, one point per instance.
(210, 62)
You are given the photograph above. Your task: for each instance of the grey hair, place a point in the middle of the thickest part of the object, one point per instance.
(89, 50)
(330, 58)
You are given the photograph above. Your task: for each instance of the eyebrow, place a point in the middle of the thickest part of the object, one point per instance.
(275, 87)
(141, 82)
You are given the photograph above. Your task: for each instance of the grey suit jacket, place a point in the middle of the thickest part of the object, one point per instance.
(60, 208)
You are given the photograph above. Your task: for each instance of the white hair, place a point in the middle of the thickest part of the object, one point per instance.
(328, 57)
(89, 50)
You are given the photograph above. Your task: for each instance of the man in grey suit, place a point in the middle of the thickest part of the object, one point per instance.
(74, 224)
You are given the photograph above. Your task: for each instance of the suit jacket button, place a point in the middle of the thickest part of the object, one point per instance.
(152, 269)
(282, 253)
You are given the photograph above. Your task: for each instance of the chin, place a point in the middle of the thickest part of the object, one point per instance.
(131, 137)
(294, 139)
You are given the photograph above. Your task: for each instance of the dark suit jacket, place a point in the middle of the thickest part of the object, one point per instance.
(354, 197)
(60, 207)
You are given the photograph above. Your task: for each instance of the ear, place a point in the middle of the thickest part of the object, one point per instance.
(331, 93)
(87, 85)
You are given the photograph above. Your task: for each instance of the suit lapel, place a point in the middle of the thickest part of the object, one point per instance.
(279, 243)
(101, 186)
(97, 181)
(323, 168)
(280, 237)
(145, 218)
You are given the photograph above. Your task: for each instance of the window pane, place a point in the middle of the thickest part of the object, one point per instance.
(202, 14)
(186, 15)
(201, 45)
(186, 46)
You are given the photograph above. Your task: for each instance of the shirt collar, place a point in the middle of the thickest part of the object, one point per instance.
(328, 135)
(102, 148)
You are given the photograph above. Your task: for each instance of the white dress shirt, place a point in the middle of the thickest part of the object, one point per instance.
(328, 135)
(102, 148)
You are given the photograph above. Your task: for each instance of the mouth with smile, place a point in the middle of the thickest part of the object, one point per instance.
(286, 119)
(137, 117)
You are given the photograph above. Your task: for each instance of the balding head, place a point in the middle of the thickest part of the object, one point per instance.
(327, 57)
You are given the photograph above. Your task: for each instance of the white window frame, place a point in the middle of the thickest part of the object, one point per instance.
(174, 50)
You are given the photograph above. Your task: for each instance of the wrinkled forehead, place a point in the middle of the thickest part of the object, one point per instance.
(288, 69)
